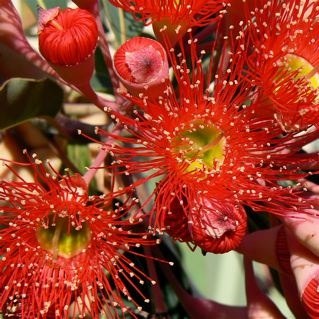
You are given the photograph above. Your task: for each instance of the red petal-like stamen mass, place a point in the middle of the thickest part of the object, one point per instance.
(172, 18)
(283, 62)
(68, 37)
(59, 275)
(173, 218)
(180, 12)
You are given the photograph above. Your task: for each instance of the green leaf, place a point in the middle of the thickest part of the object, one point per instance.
(23, 99)
(122, 23)
(101, 81)
(33, 4)
(80, 156)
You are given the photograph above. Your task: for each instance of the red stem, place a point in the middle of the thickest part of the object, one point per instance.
(100, 102)
(160, 305)
(88, 176)
(200, 308)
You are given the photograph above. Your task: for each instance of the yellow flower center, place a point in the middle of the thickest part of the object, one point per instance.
(305, 69)
(62, 239)
(203, 147)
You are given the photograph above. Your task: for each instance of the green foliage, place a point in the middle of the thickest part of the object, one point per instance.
(101, 81)
(33, 4)
(80, 156)
(122, 23)
(23, 99)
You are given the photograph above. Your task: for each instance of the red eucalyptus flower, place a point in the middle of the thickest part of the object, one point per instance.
(174, 17)
(63, 253)
(210, 145)
(282, 42)
(67, 39)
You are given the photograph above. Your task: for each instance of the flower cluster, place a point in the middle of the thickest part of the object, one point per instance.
(207, 139)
